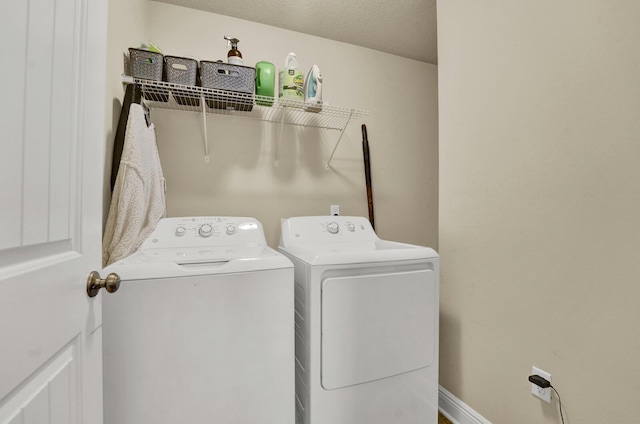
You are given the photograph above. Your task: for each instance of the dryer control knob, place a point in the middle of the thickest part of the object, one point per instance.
(205, 230)
(231, 230)
(180, 231)
(351, 227)
(333, 227)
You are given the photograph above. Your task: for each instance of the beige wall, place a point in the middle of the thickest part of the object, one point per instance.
(241, 179)
(127, 28)
(540, 206)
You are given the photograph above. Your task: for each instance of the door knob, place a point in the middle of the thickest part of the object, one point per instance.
(95, 283)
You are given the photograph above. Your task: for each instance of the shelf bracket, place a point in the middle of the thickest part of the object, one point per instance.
(339, 139)
(126, 79)
(204, 127)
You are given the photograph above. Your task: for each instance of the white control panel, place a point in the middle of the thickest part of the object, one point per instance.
(328, 229)
(323, 240)
(205, 231)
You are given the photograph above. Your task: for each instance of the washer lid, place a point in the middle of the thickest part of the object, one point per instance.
(332, 240)
(200, 246)
(171, 263)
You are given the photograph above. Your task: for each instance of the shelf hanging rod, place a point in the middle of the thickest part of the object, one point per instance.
(204, 126)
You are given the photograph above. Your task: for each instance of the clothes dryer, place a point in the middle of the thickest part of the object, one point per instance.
(366, 324)
(201, 329)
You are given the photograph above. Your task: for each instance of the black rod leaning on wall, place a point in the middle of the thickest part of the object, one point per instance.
(133, 94)
(367, 174)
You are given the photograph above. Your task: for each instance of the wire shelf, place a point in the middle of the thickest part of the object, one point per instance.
(164, 95)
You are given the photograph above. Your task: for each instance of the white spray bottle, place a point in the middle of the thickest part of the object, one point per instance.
(313, 90)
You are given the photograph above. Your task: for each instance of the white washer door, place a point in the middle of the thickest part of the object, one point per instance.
(377, 326)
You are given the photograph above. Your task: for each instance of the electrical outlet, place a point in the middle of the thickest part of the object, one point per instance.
(537, 391)
(334, 210)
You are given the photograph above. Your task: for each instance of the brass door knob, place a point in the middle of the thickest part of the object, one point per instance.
(95, 283)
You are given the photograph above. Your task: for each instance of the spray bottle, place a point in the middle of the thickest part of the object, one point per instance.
(234, 57)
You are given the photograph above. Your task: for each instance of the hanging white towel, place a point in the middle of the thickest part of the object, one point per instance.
(138, 199)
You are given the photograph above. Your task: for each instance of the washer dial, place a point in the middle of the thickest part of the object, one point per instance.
(205, 230)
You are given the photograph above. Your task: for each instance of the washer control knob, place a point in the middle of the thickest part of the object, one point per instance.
(180, 231)
(351, 227)
(231, 230)
(205, 230)
(333, 227)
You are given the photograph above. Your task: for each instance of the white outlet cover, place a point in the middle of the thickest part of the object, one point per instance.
(539, 392)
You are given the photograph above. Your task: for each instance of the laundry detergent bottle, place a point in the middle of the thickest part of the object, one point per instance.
(291, 80)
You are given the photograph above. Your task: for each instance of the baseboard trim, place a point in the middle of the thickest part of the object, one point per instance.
(456, 410)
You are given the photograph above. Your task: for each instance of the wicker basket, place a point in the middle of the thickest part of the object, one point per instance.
(236, 84)
(145, 64)
(183, 71)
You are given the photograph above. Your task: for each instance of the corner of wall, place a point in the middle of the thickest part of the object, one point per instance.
(127, 27)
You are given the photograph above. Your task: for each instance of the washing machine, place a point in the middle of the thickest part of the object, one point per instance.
(366, 324)
(201, 329)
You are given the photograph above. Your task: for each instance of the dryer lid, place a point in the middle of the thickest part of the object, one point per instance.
(332, 240)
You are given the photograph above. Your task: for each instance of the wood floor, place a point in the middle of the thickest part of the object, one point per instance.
(442, 419)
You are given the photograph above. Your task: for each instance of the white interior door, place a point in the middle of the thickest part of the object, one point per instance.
(52, 66)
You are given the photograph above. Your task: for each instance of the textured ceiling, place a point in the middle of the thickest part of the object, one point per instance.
(403, 27)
